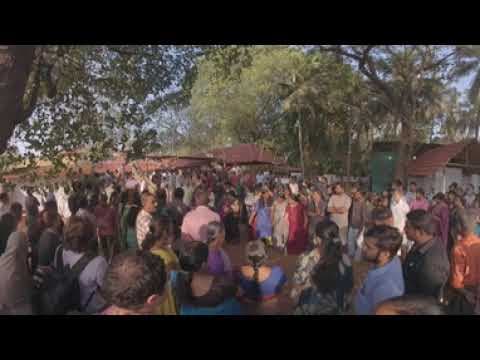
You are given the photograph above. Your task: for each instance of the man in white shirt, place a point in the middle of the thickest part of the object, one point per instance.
(411, 195)
(338, 207)
(18, 195)
(470, 196)
(180, 179)
(259, 178)
(293, 186)
(62, 203)
(172, 180)
(400, 209)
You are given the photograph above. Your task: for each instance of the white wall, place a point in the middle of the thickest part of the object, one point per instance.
(425, 182)
(442, 179)
(476, 181)
(453, 175)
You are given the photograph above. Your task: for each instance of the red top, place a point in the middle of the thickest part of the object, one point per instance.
(297, 234)
(234, 179)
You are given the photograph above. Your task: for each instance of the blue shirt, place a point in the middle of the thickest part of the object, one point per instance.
(228, 307)
(381, 284)
(269, 288)
(263, 222)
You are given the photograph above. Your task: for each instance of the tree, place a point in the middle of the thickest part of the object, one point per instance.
(403, 75)
(470, 63)
(60, 98)
(15, 67)
(263, 100)
(228, 99)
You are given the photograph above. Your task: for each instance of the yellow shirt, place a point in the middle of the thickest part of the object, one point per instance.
(168, 307)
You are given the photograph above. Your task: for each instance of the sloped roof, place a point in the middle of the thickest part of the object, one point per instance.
(242, 154)
(434, 159)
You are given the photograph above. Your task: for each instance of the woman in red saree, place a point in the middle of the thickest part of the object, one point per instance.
(297, 226)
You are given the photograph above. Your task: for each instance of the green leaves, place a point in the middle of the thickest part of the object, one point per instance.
(99, 97)
(256, 95)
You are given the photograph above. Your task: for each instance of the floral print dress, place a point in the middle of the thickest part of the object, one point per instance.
(310, 300)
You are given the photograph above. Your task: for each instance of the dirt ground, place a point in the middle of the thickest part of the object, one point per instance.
(288, 264)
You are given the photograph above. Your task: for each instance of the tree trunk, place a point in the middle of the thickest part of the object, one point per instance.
(403, 152)
(15, 66)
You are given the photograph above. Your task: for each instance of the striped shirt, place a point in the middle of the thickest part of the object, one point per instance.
(142, 226)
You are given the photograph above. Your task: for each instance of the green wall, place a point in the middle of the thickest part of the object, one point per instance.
(382, 167)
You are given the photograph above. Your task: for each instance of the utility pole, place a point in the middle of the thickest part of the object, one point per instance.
(351, 126)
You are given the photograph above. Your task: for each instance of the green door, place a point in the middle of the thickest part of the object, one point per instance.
(382, 169)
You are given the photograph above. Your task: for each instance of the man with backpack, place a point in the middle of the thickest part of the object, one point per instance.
(72, 282)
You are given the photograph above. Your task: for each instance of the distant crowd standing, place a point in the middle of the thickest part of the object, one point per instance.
(125, 244)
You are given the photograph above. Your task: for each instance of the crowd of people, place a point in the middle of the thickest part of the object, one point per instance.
(124, 244)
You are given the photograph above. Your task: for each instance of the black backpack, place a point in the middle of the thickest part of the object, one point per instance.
(58, 290)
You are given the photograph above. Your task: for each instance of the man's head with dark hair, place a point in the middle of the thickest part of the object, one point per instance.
(382, 216)
(397, 185)
(381, 244)
(135, 282)
(16, 210)
(338, 188)
(354, 188)
(420, 193)
(82, 201)
(419, 227)
(410, 305)
(149, 202)
(451, 195)
(413, 187)
(193, 256)
(76, 186)
(201, 196)
(50, 219)
(179, 193)
(51, 206)
(78, 235)
(4, 198)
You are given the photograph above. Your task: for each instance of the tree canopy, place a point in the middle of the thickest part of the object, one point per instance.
(329, 103)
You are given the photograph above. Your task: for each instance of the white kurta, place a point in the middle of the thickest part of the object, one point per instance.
(62, 203)
(400, 211)
(18, 195)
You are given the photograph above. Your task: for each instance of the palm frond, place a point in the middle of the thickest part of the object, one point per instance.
(464, 68)
(474, 92)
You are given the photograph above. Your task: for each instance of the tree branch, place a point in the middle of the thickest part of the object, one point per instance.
(27, 112)
(366, 66)
(436, 64)
(125, 52)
